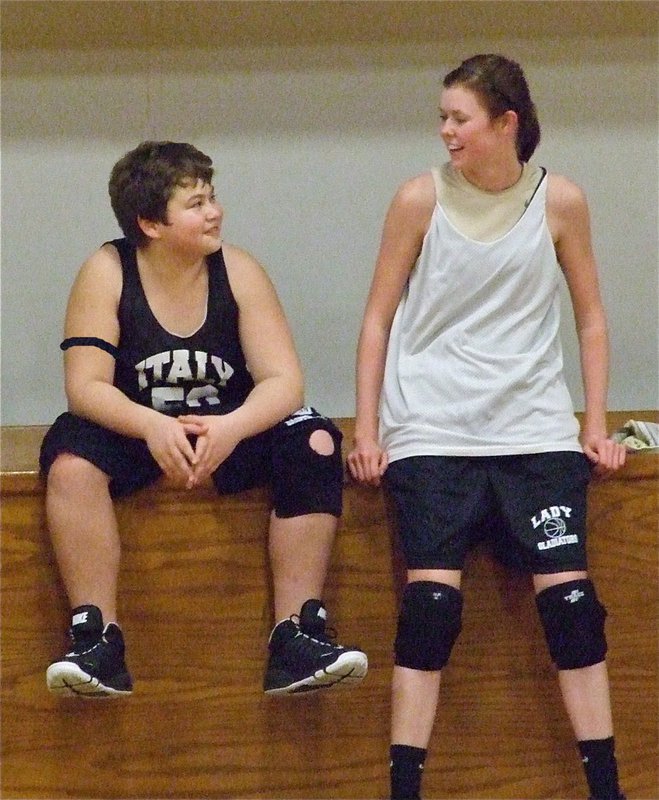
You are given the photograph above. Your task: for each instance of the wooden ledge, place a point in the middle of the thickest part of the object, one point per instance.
(19, 452)
(19, 456)
(195, 604)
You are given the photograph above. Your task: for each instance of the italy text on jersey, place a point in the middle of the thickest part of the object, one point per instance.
(185, 379)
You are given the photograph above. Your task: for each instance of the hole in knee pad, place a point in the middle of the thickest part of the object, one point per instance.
(322, 443)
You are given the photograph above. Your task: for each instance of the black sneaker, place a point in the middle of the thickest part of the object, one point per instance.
(619, 797)
(95, 668)
(304, 658)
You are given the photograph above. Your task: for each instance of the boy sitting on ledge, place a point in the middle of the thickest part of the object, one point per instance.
(179, 361)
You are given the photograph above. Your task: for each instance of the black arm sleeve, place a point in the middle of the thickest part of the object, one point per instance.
(90, 341)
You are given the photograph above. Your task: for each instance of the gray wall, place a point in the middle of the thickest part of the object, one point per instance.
(313, 114)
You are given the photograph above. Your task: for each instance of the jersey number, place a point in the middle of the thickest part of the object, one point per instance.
(162, 396)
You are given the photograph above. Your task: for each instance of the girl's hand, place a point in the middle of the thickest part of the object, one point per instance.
(367, 463)
(607, 455)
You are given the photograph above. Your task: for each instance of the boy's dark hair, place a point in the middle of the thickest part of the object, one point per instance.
(501, 85)
(142, 182)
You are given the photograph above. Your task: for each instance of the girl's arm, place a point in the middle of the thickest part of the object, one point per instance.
(405, 226)
(569, 222)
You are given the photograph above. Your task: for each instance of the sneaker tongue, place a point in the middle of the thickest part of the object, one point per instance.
(313, 617)
(86, 623)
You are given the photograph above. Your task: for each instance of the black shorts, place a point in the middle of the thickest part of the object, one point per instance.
(302, 480)
(532, 508)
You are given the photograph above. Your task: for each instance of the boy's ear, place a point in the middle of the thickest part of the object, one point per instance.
(149, 227)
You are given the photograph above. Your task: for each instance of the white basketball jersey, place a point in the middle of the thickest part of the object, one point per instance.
(474, 365)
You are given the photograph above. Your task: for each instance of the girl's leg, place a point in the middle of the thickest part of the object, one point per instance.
(414, 698)
(587, 700)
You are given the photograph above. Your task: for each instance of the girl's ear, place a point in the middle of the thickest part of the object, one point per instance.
(509, 122)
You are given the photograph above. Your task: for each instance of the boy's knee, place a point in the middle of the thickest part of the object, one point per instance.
(321, 442)
(69, 471)
(308, 469)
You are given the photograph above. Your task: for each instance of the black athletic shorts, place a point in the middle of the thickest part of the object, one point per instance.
(531, 507)
(302, 480)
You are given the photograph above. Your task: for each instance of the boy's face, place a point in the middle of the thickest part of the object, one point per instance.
(194, 220)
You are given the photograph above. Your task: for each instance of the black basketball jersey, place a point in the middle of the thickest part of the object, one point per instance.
(204, 373)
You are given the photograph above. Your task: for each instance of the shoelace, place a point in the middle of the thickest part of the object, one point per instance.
(83, 652)
(80, 647)
(309, 648)
(326, 637)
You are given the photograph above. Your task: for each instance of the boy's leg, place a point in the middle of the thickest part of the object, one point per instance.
(300, 546)
(85, 539)
(300, 550)
(83, 530)
(83, 462)
(301, 459)
(307, 481)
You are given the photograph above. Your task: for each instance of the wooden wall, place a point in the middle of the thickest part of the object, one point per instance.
(195, 608)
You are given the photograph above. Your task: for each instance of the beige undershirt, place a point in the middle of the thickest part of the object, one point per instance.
(480, 215)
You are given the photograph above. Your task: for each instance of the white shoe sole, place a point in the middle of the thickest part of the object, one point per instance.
(348, 670)
(67, 680)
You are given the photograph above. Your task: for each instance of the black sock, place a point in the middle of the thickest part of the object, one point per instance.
(599, 763)
(406, 771)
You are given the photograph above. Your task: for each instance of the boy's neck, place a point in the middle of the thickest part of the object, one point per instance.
(168, 265)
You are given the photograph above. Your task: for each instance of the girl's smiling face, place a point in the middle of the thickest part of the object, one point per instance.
(471, 137)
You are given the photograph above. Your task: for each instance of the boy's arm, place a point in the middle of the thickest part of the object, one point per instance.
(268, 345)
(92, 311)
(271, 357)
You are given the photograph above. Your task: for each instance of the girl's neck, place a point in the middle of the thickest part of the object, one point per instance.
(495, 177)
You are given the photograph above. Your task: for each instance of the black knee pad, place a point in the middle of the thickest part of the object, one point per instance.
(573, 621)
(429, 622)
(304, 480)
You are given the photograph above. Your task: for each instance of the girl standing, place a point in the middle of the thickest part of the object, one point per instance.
(462, 406)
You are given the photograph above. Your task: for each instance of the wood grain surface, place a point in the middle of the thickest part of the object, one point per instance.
(195, 604)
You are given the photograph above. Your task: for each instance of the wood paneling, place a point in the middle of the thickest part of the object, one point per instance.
(79, 24)
(195, 608)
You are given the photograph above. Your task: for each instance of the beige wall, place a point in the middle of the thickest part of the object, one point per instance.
(313, 113)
